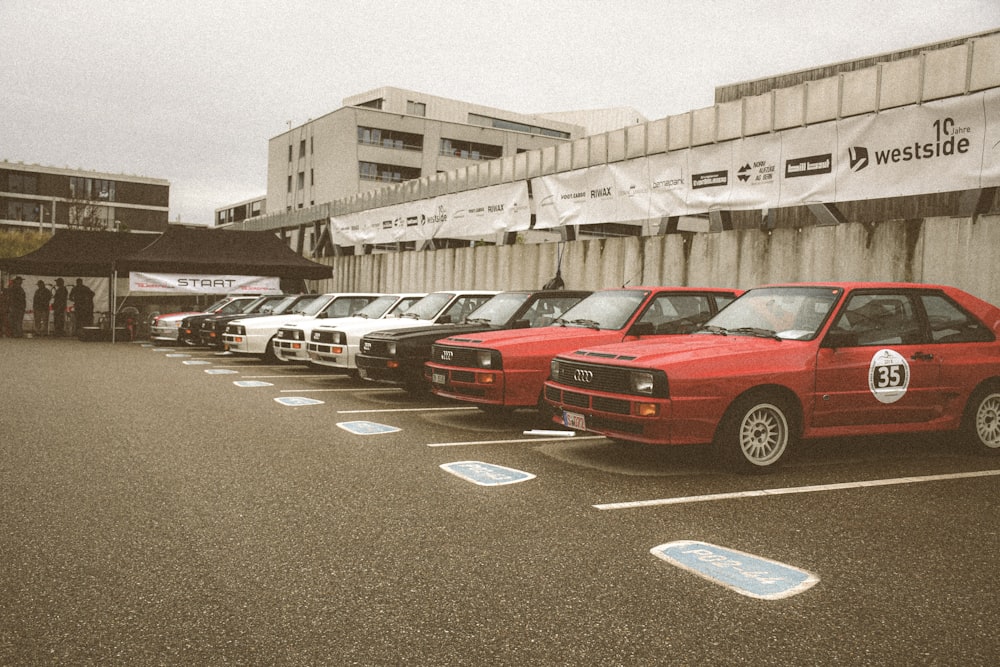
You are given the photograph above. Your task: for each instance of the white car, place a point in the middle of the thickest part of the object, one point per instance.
(290, 342)
(337, 345)
(253, 336)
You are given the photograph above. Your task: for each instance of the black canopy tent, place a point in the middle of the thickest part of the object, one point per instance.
(178, 250)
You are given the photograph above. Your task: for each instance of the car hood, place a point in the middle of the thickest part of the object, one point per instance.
(269, 321)
(364, 326)
(432, 332)
(661, 352)
(539, 338)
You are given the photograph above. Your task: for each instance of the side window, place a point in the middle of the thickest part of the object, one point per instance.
(677, 313)
(951, 324)
(880, 319)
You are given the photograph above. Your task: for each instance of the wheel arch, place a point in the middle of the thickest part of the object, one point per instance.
(788, 397)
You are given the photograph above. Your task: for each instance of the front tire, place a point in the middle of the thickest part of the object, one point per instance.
(755, 435)
(982, 421)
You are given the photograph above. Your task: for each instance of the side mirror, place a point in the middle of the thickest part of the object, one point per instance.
(642, 329)
(837, 338)
(521, 324)
(445, 319)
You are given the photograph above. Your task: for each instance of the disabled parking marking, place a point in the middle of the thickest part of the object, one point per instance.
(796, 489)
(367, 428)
(297, 401)
(196, 362)
(221, 371)
(743, 573)
(252, 383)
(486, 474)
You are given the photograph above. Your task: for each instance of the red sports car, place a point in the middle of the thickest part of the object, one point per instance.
(798, 361)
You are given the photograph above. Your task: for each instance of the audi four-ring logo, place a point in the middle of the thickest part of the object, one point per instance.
(447, 355)
(583, 375)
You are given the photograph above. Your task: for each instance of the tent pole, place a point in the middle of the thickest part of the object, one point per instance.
(114, 301)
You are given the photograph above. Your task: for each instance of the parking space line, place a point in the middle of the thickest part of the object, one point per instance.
(506, 442)
(796, 489)
(354, 389)
(263, 377)
(352, 412)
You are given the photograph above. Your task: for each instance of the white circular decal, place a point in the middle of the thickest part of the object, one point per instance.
(888, 376)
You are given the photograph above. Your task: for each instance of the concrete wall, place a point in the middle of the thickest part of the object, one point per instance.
(954, 251)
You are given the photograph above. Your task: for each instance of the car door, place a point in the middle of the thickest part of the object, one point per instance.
(876, 364)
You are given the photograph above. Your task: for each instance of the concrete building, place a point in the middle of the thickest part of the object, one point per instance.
(48, 198)
(240, 211)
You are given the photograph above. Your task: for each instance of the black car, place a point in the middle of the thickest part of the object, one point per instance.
(211, 328)
(187, 333)
(397, 356)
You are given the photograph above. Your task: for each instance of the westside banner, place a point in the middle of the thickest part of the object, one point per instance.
(175, 283)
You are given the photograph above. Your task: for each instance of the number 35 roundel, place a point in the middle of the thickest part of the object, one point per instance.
(888, 376)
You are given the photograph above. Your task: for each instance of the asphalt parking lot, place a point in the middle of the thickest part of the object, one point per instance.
(156, 512)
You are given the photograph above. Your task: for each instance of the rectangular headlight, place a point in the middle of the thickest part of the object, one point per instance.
(484, 358)
(642, 382)
(390, 349)
(554, 370)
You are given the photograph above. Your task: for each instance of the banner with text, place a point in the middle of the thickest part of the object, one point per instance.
(471, 214)
(176, 283)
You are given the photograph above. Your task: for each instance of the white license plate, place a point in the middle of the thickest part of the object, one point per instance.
(439, 378)
(574, 421)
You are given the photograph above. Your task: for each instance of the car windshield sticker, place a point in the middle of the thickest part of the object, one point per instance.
(297, 401)
(177, 355)
(486, 474)
(252, 383)
(741, 572)
(196, 362)
(888, 376)
(366, 428)
(221, 371)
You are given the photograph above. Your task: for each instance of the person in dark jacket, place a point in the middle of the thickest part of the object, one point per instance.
(17, 303)
(59, 308)
(40, 307)
(83, 305)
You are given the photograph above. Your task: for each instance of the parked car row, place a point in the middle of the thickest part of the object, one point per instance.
(751, 373)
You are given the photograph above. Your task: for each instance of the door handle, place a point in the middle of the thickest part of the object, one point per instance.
(922, 356)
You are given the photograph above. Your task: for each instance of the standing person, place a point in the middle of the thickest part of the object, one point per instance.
(17, 303)
(40, 305)
(59, 308)
(83, 305)
(4, 311)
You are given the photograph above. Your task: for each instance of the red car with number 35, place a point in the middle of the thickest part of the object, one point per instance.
(785, 363)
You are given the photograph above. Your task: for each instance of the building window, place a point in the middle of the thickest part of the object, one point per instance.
(373, 104)
(416, 108)
(500, 124)
(91, 188)
(289, 151)
(312, 177)
(470, 150)
(302, 180)
(407, 141)
(302, 148)
(289, 184)
(22, 182)
(387, 173)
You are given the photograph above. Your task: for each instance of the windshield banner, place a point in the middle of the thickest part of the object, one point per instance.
(181, 283)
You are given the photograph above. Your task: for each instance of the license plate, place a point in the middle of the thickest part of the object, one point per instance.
(439, 378)
(574, 421)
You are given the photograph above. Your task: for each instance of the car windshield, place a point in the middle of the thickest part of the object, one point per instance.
(377, 308)
(301, 304)
(607, 309)
(253, 306)
(218, 304)
(499, 309)
(786, 313)
(429, 306)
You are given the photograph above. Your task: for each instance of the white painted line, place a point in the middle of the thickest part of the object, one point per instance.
(264, 377)
(354, 389)
(352, 412)
(507, 442)
(796, 489)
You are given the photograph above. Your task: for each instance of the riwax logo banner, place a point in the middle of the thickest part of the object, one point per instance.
(182, 283)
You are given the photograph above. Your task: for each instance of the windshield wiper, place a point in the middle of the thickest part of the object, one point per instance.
(593, 324)
(758, 332)
(413, 316)
(478, 320)
(712, 329)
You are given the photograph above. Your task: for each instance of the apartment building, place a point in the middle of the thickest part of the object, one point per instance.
(50, 198)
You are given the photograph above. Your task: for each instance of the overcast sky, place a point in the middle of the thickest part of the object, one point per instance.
(191, 91)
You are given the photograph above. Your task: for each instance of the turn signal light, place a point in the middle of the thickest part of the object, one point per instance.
(647, 409)
(485, 378)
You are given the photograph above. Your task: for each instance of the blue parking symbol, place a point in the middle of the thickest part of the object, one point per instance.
(741, 572)
(297, 401)
(486, 474)
(366, 428)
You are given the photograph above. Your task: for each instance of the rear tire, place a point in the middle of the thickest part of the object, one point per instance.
(982, 421)
(756, 434)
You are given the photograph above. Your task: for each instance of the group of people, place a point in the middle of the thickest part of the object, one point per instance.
(14, 302)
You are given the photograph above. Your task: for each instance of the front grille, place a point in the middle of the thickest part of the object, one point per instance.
(463, 376)
(448, 355)
(613, 405)
(322, 337)
(376, 348)
(603, 424)
(575, 399)
(612, 379)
